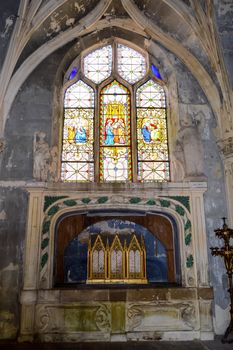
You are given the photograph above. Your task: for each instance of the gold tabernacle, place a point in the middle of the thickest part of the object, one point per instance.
(116, 259)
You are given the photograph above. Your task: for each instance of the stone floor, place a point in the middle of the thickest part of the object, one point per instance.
(194, 345)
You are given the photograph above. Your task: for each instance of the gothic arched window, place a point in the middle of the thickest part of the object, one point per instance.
(115, 127)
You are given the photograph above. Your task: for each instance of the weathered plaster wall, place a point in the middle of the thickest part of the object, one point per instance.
(224, 16)
(8, 11)
(195, 111)
(13, 214)
(31, 112)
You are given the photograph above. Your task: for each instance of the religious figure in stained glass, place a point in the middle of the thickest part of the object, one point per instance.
(71, 134)
(146, 132)
(115, 131)
(151, 131)
(109, 135)
(77, 154)
(153, 160)
(115, 160)
(80, 134)
(121, 131)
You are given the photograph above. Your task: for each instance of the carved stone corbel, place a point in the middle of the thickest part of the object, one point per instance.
(226, 151)
(2, 145)
(226, 146)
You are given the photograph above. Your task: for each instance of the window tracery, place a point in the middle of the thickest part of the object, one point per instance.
(115, 94)
(131, 64)
(98, 64)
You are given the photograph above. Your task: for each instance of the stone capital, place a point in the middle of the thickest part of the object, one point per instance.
(28, 296)
(2, 145)
(226, 146)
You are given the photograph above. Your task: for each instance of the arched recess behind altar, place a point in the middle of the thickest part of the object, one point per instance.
(74, 231)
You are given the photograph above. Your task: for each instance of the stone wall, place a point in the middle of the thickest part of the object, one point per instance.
(31, 112)
(13, 216)
(224, 13)
(178, 313)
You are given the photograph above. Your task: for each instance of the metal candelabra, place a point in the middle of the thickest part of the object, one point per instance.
(226, 252)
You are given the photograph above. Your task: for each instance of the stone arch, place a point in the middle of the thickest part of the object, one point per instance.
(89, 24)
(163, 207)
(160, 225)
(42, 52)
(156, 54)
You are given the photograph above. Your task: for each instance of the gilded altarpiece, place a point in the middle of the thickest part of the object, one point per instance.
(116, 259)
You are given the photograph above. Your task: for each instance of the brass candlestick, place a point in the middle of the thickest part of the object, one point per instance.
(226, 252)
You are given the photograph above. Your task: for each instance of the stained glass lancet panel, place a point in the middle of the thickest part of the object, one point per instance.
(131, 64)
(115, 144)
(98, 64)
(77, 148)
(153, 157)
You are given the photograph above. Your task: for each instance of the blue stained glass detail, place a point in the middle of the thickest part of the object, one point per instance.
(73, 73)
(156, 71)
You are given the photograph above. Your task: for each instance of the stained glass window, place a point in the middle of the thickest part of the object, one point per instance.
(73, 73)
(153, 160)
(155, 71)
(131, 64)
(77, 153)
(115, 144)
(98, 64)
(125, 125)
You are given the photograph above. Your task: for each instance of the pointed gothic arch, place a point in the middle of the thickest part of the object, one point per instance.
(115, 126)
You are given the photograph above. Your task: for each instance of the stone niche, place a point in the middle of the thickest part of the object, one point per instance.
(76, 235)
(176, 306)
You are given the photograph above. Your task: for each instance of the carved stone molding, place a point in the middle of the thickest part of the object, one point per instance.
(102, 318)
(162, 315)
(188, 315)
(226, 146)
(135, 316)
(52, 318)
(2, 145)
